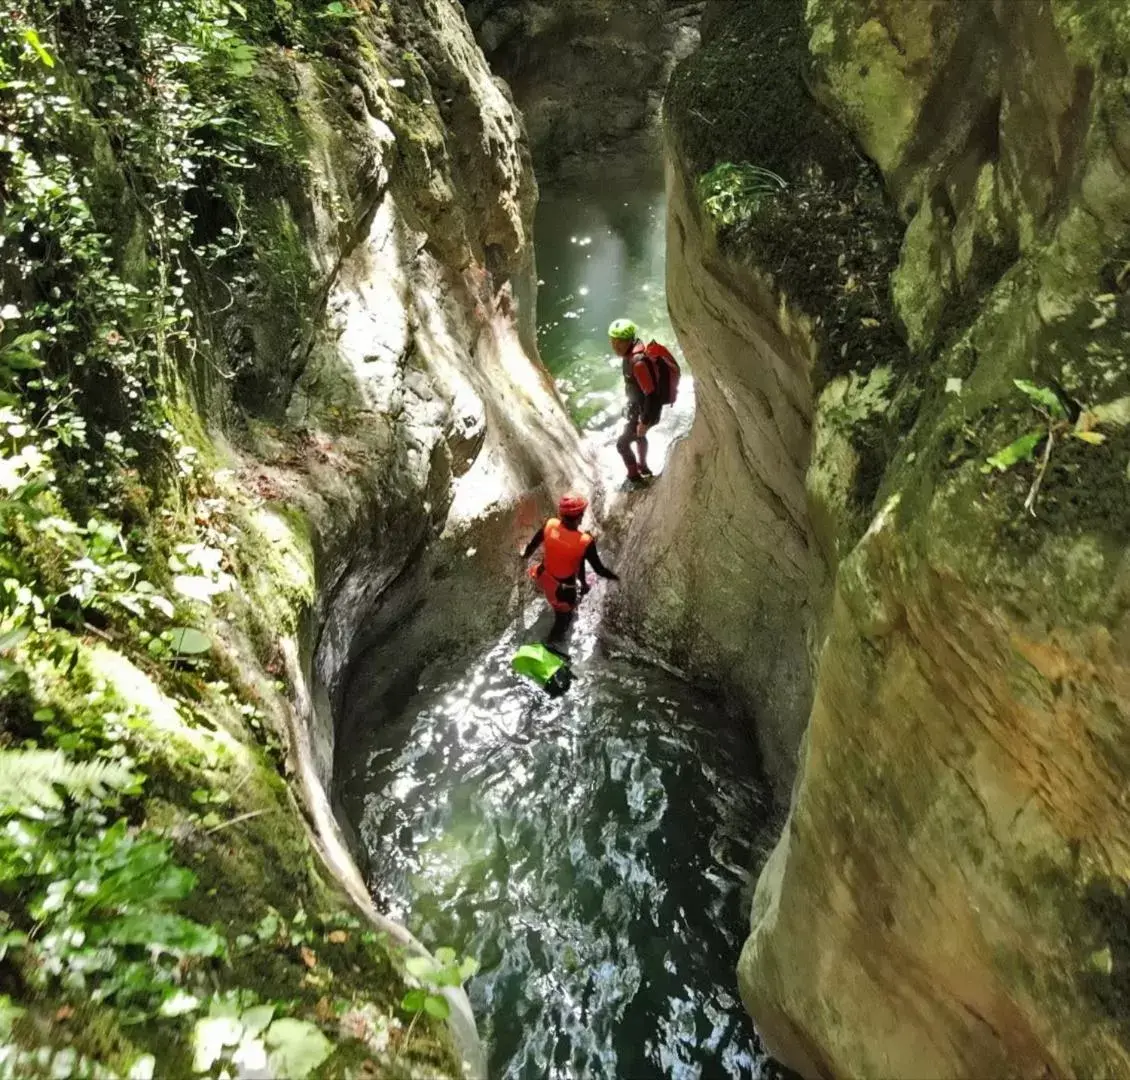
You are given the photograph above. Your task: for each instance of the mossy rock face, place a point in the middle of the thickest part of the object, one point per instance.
(953, 841)
(924, 278)
(352, 348)
(848, 404)
(215, 798)
(876, 68)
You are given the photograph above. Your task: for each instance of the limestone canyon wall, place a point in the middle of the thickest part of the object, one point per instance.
(589, 75)
(948, 897)
(412, 388)
(350, 401)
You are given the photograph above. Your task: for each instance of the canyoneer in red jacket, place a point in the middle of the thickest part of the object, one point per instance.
(651, 380)
(561, 572)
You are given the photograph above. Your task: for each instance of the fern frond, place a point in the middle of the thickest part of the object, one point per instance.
(31, 778)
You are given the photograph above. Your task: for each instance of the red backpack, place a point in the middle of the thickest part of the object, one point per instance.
(665, 371)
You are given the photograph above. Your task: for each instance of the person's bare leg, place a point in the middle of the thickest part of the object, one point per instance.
(624, 446)
(641, 455)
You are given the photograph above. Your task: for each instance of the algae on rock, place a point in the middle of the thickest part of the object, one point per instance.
(269, 259)
(947, 894)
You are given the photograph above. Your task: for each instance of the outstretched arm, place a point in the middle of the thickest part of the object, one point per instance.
(535, 543)
(593, 559)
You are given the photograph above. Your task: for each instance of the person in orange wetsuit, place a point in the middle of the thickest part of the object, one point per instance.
(561, 573)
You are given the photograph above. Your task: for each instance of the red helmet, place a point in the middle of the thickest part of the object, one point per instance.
(572, 505)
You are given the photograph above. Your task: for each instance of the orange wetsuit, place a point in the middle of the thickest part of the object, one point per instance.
(567, 550)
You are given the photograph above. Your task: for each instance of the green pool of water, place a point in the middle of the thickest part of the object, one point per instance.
(600, 257)
(591, 852)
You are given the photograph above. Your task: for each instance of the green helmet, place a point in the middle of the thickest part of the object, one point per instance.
(623, 330)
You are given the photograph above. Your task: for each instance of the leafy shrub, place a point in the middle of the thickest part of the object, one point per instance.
(1055, 422)
(732, 194)
(433, 974)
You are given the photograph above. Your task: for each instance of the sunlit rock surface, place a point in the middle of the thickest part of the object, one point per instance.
(948, 897)
(414, 389)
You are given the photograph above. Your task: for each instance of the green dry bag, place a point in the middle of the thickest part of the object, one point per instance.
(544, 666)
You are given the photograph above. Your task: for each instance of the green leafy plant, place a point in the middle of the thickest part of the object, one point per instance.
(338, 10)
(255, 1043)
(1055, 423)
(731, 194)
(98, 898)
(31, 37)
(89, 345)
(433, 974)
(101, 901)
(64, 1063)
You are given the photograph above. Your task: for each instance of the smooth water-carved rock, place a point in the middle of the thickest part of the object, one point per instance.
(411, 390)
(739, 517)
(948, 894)
(718, 561)
(416, 392)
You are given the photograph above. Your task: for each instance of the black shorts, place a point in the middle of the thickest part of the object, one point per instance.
(646, 412)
